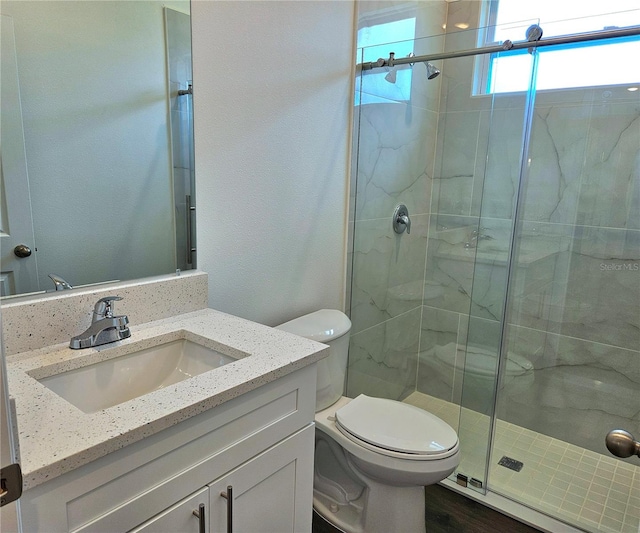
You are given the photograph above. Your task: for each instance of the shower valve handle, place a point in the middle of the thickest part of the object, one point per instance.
(404, 219)
(401, 220)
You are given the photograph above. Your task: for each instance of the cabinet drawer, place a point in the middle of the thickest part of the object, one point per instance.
(179, 518)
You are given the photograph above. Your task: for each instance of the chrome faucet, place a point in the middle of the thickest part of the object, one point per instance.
(61, 284)
(104, 327)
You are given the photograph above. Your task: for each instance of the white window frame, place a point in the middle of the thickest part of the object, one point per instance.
(626, 47)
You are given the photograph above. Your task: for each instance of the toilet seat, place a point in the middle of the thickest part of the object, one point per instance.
(396, 429)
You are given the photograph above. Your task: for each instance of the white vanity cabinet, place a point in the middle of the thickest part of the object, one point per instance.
(269, 492)
(259, 443)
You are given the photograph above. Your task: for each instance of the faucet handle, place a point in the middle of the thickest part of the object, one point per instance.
(104, 307)
(401, 220)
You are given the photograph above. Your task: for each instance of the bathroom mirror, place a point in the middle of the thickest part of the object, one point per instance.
(97, 142)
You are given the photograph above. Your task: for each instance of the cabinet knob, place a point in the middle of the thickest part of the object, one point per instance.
(201, 518)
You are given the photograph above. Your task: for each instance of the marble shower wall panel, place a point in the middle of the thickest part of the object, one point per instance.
(395, 159)
(497, 168)
(388, 270)
(603, 287)
(578, 286)
(540, 276)
(439, 345)
(581, 389)
(383, 359)
(557, 153)
(478, 160)
(610, 190)
(431, 17)
(426, 93)
(489, 287)
(451, 347)
(449, 266)
(458, 134)
(457, 74)
(480, 334)
(467, 273)
(457, 86)
(581, 282)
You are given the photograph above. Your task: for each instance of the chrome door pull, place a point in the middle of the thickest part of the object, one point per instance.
(201, 518)
(228, 495)
(621, 443)
(190, 209)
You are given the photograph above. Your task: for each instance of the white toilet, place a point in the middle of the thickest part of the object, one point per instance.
(373, 456)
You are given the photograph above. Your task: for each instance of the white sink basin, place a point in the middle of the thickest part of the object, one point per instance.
(114, 381)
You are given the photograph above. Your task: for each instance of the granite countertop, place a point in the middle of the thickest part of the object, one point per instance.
(56, 437)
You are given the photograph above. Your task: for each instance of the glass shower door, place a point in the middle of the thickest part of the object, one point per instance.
(573, 317)
(482, 139)
(451, 152)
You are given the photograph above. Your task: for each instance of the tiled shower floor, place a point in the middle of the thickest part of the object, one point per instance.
(583, 488)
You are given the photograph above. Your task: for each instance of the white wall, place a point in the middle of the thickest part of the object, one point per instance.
(272, 100)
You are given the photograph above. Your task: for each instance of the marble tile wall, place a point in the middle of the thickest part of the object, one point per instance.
(389, 271)
(576, 279)
(383, 359)
(580, 389)
(394, 157)
(582, 192)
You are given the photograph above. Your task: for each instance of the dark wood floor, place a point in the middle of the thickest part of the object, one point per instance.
(450, 512)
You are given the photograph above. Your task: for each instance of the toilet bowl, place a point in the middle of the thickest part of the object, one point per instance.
(373, 456)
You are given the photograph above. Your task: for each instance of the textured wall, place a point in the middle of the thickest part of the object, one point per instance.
(272, 96)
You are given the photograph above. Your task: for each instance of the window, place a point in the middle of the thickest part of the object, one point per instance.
(377, 40)
(596, 63)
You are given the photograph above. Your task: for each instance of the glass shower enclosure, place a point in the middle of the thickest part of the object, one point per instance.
(511, 310)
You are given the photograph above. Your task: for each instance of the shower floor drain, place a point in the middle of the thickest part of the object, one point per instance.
(511, 464)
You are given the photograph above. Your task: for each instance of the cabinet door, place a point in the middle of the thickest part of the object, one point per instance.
(271, 493)
(179, 518)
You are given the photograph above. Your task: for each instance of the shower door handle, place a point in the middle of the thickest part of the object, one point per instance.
(190, 209)
(401, 220)
(621, 443)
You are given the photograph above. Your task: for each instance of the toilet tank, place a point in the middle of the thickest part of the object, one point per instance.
(328, 326)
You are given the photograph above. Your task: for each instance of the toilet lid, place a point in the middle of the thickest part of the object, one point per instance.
(396, 426)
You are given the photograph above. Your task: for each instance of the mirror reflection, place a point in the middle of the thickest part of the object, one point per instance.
(96, 142)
